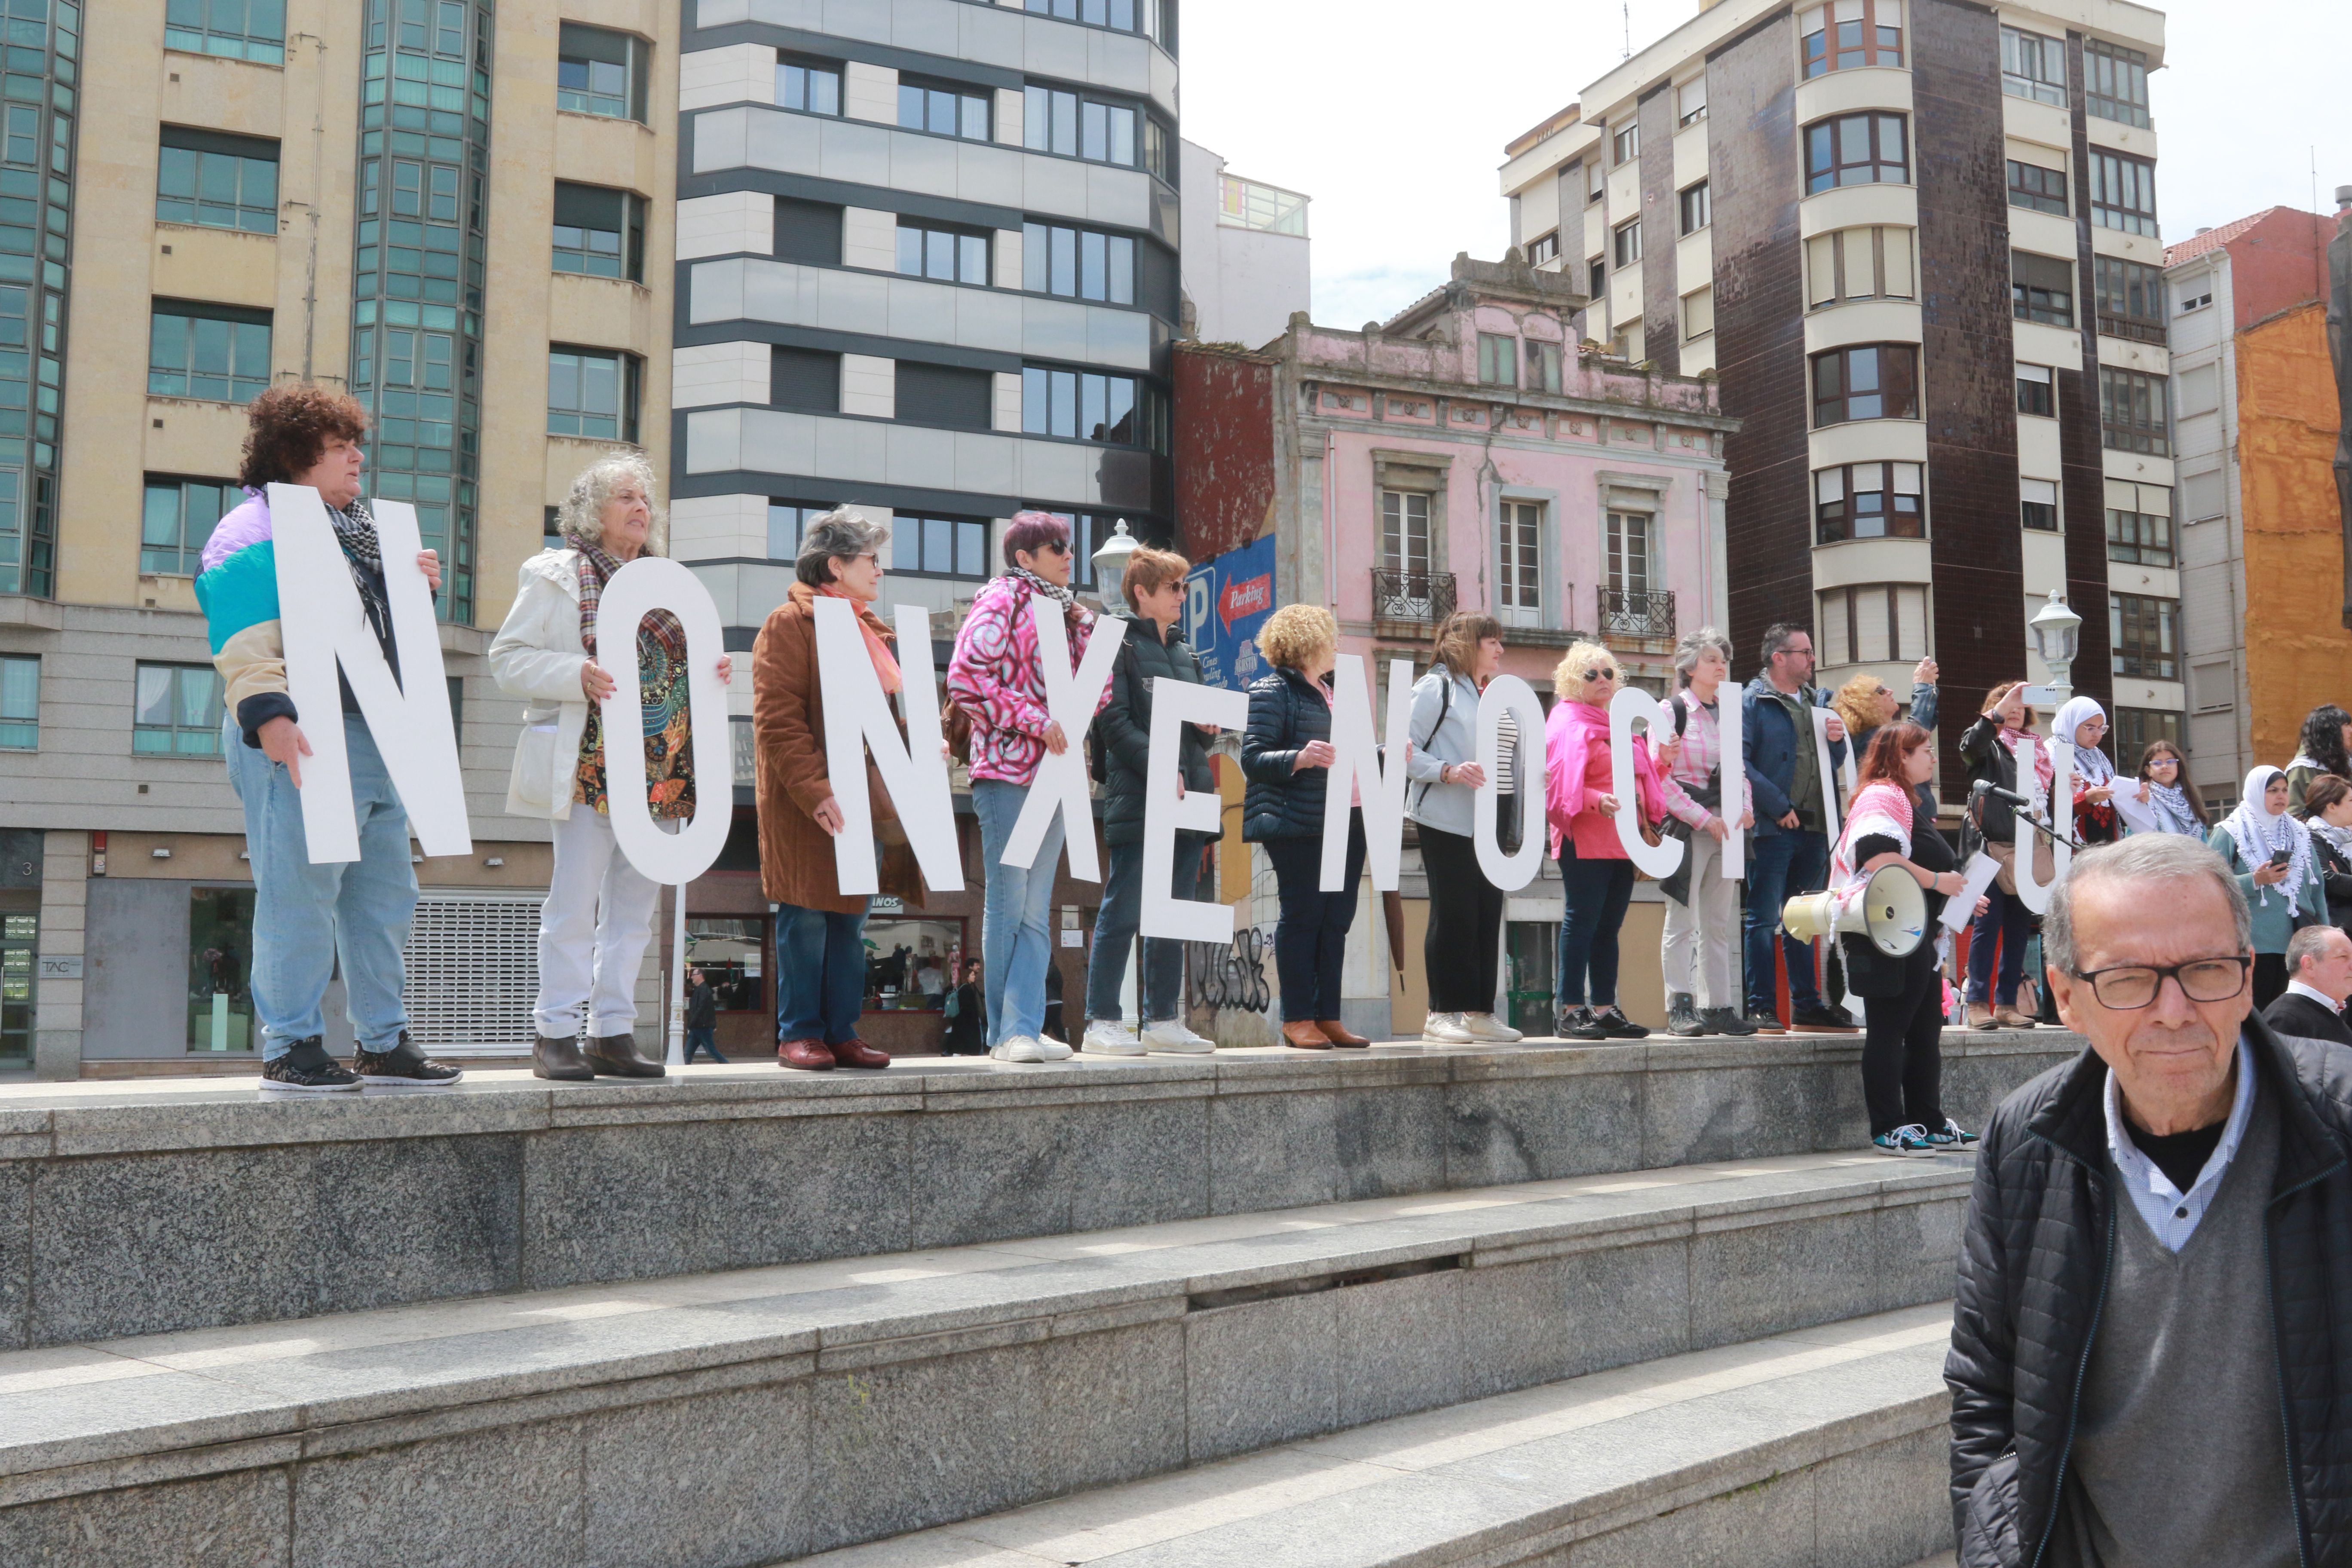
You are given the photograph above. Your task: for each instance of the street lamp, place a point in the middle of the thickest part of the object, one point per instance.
(1110, 561)
(2057, 634)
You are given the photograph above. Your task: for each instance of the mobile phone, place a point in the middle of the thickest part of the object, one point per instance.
(2281, 857)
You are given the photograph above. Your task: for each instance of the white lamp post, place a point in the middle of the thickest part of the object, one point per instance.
(2057, 634)
(1110, 561)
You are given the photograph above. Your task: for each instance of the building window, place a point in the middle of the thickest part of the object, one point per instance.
(1078, 263)
(2041, 288)
(1699, 313)
(1869, 500)
(787, 522)
(2196, 301)
(1596, 181)
(591, 392)
(1625, 546)
(1268, 209)
(20, 701)
(1519, 561)
(2037, 502)
(1872, 263)
(1626, 243)
(1850, 33)
(177, 519)
(1626, 144)
(1404, 532)
(1543, 366)
(946, 395)
(2146, 634)
(240, 29)
(2136, 729)
(1596, 283)
(1144, 16)
(2036, 188)
(1497, 356)
(809, 85)
(2034, 390)
(941, 546)
(1696, 210)
(177, 711)
(2115, 82)
(1690, 103)
(2132, 411)
(219, 181)
(1874, 622)
(600, 232)
(1053, 120)
(2139, 538)
(1856, 149)
(598, 72)
(2123, 193)
(1085, 406)
(220, 352)
(2033, 67)
(1544, 247)
(944, 110)
(1874, 381)
(2131, 299)
(808, 232)
(805, 379)
(948, 255)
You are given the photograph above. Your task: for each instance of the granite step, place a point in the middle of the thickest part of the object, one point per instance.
(143, 1208)
(736, 1418)
(1823, 1448)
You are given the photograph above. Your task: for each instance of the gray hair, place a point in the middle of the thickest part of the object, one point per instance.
(581, 518)
(2142, 858)
(2308, 941)
(1693, 646)
(841, 532)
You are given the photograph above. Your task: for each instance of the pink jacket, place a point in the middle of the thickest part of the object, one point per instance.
(1578, 773)
(996, 678)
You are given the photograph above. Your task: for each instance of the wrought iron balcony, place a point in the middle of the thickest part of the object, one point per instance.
(1422, 598)
(1628, 614)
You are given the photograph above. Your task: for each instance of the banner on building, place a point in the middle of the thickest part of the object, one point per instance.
(1226, 599)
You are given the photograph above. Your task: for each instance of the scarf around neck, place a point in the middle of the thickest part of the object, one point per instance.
(1881, 807)
(2173, 812)
(2044, 768)
(2259, 835)
(661, 696)
(1059, 592)
(885, 663)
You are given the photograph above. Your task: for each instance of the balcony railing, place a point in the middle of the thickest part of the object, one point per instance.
(1416, 598)
(1625, 613)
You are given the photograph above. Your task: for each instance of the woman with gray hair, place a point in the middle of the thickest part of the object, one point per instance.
(599, 913)
(820, 931)
(1702, 903)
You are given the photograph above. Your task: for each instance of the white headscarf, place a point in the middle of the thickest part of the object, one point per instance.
(2260, 833)
(2091, 764)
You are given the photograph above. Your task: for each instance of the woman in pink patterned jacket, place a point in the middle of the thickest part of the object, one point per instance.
(996, 678)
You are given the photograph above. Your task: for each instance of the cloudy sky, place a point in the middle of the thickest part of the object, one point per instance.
(1392, 115)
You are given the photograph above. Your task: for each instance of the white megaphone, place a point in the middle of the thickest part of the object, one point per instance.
(1889, 910)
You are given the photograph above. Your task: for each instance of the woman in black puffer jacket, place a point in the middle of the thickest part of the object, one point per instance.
(1287, 757)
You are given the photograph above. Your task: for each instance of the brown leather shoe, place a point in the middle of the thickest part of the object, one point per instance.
(616, 1055)
(856, 1053)
(558, 1059)
(2010, 1018)
(813, 1055)
(1305, 1038)
(1339, 1034)
(1979, 1015)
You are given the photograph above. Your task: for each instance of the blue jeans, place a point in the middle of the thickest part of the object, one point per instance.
(705, 1040)
(305, 915)
(1118, 920)
(1595, 894)
(1778, 866)
(2008, 923)
(820, 974)
(1017, 936)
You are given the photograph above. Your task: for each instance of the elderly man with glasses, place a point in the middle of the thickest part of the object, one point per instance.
(2152, 1347)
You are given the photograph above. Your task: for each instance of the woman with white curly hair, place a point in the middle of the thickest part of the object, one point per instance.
(599, 912)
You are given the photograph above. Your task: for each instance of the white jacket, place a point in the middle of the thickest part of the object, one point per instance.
(537, 655)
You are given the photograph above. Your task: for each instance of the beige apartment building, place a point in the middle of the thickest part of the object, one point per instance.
(457, 211)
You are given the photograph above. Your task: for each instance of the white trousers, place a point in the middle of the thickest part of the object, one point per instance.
(1709, 924)
(592, 931)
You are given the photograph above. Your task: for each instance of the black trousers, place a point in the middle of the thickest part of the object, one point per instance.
(1310, 943)
(1465, 925)
(1902, 1048)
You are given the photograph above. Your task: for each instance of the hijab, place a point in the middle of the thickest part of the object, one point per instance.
(2091, 764)
(2261, 832)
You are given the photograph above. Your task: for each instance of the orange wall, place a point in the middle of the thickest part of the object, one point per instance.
(2298, 654)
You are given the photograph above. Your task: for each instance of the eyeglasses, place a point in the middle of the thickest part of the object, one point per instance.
(1599, 675)
(2164, 762)
(2127, 987)
(1058, 546)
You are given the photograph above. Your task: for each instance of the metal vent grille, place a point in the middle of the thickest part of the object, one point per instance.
(473, 972)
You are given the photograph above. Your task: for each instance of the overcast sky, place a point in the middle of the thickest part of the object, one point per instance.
(1392, 116)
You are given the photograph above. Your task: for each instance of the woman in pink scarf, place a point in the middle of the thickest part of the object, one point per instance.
(1596, 876)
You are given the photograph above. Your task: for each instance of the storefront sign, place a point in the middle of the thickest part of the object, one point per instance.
(1226, 599)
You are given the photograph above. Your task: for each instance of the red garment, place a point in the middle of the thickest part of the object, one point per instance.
(1578, 770)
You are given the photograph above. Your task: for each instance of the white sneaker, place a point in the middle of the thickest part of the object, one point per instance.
(1052, 1050)
(1171, 1037)
(1021, 1049)
(1447, 1029)
(1111, 1037)
(1486, 1026)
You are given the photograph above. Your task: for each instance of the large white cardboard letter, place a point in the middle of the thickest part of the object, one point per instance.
(2032, 894)
(1174, 704)
(322, 626)
(1508, 693)
(647, 583)
(1732, 778)
(1061, 783)
(856, 715)
(1632, 704)
(1355, 765)
(1829, 792)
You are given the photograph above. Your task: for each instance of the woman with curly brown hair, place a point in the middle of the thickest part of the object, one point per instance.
(305, 914)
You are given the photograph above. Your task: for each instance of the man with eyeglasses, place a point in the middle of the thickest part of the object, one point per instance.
(1789, 852)
(2151, 1349)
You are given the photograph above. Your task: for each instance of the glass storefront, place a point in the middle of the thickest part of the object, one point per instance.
(728, 952)
(220, 963)
(908, 963)
(19, 936)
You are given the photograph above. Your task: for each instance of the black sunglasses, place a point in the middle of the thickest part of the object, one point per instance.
(1058, 546)
(1599, 675)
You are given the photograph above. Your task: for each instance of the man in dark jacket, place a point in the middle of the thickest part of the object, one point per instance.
(701, 1016)
(2319, 970)
(2152, 1345)
(1789, 852)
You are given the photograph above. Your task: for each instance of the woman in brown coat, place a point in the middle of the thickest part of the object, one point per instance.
(820, 932)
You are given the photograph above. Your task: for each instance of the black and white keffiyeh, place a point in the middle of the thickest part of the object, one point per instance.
(2261, 834)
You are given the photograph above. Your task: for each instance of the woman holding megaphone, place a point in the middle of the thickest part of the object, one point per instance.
(1902, 998)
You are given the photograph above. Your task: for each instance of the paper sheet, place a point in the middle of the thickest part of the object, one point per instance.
(2138, 815)
(1961, 907)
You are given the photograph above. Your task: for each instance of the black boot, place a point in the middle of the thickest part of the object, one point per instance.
(616, 1055)
(1682, 1015)
(557, 1059)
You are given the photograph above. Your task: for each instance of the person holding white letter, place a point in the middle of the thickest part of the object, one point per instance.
(599, 913)
(1596, 874)
(1702, 903)
(305, 914)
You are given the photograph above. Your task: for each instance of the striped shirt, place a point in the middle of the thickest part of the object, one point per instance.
(1701, 753)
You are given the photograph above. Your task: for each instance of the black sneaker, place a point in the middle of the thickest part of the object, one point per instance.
(1765, 1022)
(1611, 1021)
(1682, 1017)
(307, 1069)
(1580, 1024)
(1821, 1016)
(404, 1065)
(1725, 1021)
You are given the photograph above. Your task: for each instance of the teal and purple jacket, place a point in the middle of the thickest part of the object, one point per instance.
(237, 590)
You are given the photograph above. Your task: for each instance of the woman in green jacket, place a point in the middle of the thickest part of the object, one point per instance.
(2279, 871)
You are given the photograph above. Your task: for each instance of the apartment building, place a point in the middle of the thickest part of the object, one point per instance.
(1776, 197)
(1247, 267)
(2259, 540)
(448, 207)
